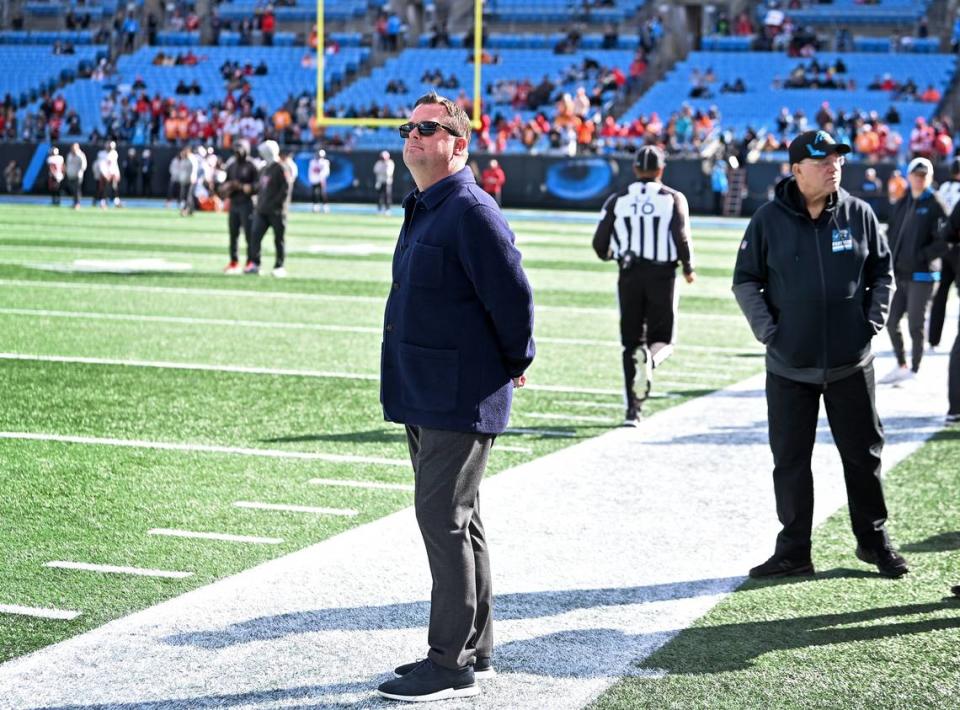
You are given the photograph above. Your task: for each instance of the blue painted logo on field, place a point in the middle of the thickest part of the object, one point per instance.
(579, 179)
(842, 241)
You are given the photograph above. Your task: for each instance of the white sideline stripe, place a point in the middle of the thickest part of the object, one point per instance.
(594, 405)
(225, 537)
(39, 612)
(190, 366)
(295, 508)
(568, 417)
(610, 313)
(540, 432)
(204, 448)
(189, 321)
(255, 371)
(274, 325)
(514, 449)
(361, 484)
(112, 569)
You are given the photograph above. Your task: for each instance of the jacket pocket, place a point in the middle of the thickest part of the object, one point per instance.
(426, 266)
(428, 378)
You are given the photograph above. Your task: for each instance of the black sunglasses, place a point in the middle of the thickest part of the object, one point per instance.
(426, 128)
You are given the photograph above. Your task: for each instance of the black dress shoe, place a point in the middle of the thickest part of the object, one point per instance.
(888, 561)
(778, 566)
(956, 590)
(428, 681)
(482, 668)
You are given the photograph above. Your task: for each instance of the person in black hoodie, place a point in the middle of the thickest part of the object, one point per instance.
(813, 277)
(914, 241)
(950, 233)
(273, 191)
(239, 188)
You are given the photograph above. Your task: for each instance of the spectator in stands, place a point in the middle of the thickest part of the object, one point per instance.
(493, 179)
(441, 38)
(825, 117)
(930, 95)
(737, 87)
(130, 28)
(896, 187)
(892, 116)
(921, 139)
(394, 30)
(743, 26)
(610, 37)
(383, 171)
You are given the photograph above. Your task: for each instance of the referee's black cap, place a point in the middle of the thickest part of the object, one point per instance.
(650, 159)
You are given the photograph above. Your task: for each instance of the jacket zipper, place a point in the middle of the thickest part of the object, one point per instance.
(823, 294)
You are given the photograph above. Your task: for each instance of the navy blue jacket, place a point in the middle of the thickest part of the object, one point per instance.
(459, 319)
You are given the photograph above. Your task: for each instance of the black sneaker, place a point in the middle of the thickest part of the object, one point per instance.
(427, 681)
(956, 590)
(632, 418)
(953, 418)
(888, 561)
(482, 669)
(782, 567)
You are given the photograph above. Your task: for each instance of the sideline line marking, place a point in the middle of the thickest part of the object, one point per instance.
(112, 569)
(39, 612)
(203, 448)
(190, 366)
(569, 417)
(513, 449)
(610, 312)
(361, 484)
(255, 371)
(540, 432)
(295, 508)
(279, 325)
(225, 537)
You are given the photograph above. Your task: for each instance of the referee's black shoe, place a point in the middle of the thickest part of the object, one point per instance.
(778, 566)
(632, 418)
(888, 561)
(428, 681)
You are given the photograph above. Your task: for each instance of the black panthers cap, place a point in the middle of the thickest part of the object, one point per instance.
(815, 144)
(650, 159)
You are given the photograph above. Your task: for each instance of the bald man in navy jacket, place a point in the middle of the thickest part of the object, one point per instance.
(457, 339)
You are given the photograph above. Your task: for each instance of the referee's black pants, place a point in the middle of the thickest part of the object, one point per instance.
(261, 222)
(647, 293)
(792, 409)
(239, 217)
(448, 467)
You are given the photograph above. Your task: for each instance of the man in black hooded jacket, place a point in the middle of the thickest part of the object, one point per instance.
(813, 278)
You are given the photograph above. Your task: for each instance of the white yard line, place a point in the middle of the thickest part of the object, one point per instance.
(568, 417)
(165, 365)
(513, 449)
(540, 432)
(114, 569)
(223, 537)
(39, 612)
(601, 552)
(201, 448)
(375, 485)
(287, 508)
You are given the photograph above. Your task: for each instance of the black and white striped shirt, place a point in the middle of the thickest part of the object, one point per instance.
(649, 220)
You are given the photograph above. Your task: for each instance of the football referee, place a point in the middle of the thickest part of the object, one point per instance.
(645, 227)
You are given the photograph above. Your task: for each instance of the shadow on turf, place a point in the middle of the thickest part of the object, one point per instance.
(525, 605)
(936, 543)
(313, 693)
(731, 647)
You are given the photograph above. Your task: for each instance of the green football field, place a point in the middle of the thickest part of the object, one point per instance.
(145, 402)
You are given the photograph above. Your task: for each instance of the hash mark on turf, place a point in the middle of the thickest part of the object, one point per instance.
(114, 569)
(295, 508)
(39, 612)
(225, 537)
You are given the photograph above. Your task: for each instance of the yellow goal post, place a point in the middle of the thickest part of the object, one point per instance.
(324, 120)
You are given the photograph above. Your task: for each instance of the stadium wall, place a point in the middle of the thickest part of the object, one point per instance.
(538, 182)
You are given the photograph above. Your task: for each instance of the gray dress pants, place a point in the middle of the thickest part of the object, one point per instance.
(448, 467)
(911, 297)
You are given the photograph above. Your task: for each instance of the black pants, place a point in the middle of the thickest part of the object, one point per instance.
(240, 216)
(448, 467)
(186, 196)
(953, 377)
(938, 308)
(647, 295)
(320, 193)
(55, 189)
(911, 297)
(261, 222)
(384, 196)
(74, 186)
(792, 409)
